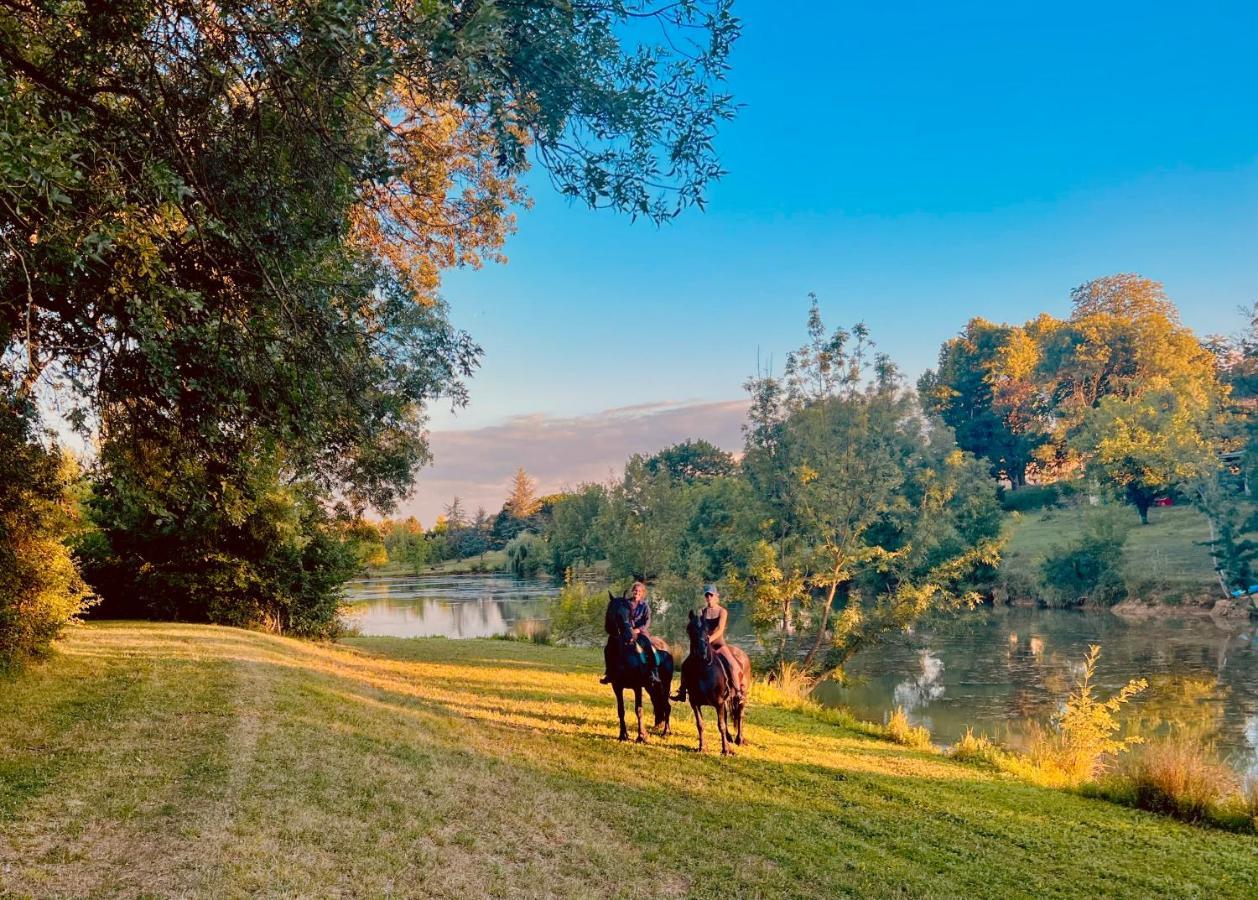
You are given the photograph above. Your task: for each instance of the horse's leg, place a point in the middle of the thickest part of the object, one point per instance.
(722, 725)
(620, 711)
(739, 710)
(637, 705)
(698, 723)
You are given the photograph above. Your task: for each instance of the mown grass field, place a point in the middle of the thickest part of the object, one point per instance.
(1165, 560)
(181, 760)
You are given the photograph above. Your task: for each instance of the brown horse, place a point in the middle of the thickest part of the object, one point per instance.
(629, 668)
(709, 682)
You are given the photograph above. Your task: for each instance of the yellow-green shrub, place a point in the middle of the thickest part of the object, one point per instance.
(40, 587)
(903, 732)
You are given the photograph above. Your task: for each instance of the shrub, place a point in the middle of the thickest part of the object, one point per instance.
(1179, 776)
(525, 554)
(269, 555)
(977, 749)
(792, 680)
(903, 732)
(1087, 728)
(1090, 569)
(576, 615)
(40, 588)
(1030, 498)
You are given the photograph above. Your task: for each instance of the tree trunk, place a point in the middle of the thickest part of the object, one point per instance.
(825, 621)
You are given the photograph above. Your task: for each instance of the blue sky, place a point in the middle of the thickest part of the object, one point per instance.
(914, 165)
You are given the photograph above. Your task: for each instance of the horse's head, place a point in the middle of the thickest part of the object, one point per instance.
(618, 615)
(699, 644)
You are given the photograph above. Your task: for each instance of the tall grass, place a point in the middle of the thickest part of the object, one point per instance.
(1177, 775)
(903, 732)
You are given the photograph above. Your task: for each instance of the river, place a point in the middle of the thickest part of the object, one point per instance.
(453, 606)
(997, 670)
(1000, 670)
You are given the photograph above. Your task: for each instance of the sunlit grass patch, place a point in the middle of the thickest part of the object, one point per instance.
(187, 760)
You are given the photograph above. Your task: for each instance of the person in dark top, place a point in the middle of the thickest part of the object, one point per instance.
(640, 619)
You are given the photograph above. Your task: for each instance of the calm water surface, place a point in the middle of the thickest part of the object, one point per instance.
(1000, 670)
(454, 606)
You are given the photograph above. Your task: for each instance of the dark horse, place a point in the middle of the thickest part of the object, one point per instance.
(709, 683)
(628, 668)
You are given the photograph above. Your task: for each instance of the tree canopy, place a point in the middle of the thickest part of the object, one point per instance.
(222, 225)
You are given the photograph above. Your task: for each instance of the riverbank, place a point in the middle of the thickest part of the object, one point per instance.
(192, 760)
(490, 561)
(1166, 564)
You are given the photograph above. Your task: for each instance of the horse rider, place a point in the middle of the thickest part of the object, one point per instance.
(640, 621)
(715, 618)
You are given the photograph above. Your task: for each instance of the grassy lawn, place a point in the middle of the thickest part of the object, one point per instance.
(1165, 559)
(162, 760)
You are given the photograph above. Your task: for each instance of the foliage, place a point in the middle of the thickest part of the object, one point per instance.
(692, 460)
(573, 536)
(1090, 569)
(1233, 554)
(857, 501)
(522, 501)
(40, 588)
(1030, 498)
(1086, 730)
(1121, 386)
(406, 544)
(224, 227)
(576, 615)
(791, 680)
(526, 553)
(263, 553)
(1149, 444)
(985, 391)
(901, 731)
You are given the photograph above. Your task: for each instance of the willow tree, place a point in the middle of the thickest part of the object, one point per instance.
(223, 227)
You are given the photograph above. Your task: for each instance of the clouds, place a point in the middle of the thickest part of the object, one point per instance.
(477, 464)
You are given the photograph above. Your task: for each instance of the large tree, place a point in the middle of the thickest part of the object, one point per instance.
(984, 389)
(1149, 444)
(869, 518)
(222, 224)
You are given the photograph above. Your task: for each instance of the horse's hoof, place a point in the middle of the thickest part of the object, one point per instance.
(623, 738)
(727, 752)
(641, 739)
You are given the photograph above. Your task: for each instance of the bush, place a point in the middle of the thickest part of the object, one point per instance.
(1030, 498)
(977, 749)
(525, 554)
(903, 732)
(40, 588)
(577, 614)
(792, 680)
(1091, 569)
(256, 551)
(1087, 729)
(1179, 776)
